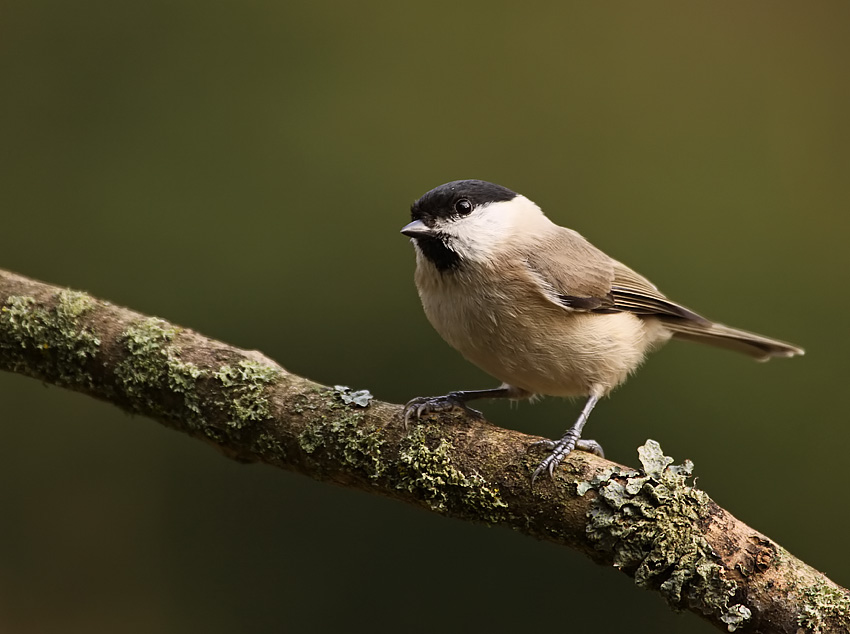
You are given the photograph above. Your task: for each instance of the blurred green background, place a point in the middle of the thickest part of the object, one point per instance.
(243, 169)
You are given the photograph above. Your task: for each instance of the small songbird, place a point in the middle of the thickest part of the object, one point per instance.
(539, 308)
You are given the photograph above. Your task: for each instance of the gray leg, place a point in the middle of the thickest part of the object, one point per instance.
(424, 405)
(571, 440)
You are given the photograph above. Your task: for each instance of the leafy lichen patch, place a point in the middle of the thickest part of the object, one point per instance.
(349, 441)
(63, 343)
(269, 447)
(152, 363)
(650, 523)
(353, 397)
(245, 384)
(823, 605)
(427, 468)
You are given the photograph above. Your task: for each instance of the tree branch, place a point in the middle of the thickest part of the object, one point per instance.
(653, 525)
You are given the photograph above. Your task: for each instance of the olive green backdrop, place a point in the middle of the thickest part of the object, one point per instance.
(243, 169)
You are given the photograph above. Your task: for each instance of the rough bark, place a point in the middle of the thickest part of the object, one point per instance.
(652, 524)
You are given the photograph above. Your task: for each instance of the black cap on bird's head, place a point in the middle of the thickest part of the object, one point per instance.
(433, 213)
(445, 201)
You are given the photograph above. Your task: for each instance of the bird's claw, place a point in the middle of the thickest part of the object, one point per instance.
(424, 405)
(549, 463)
(590, 446)
(560, 450)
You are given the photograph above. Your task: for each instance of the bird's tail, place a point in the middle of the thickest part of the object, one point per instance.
(757, 346)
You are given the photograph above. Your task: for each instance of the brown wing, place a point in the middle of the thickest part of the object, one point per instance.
(573, 273)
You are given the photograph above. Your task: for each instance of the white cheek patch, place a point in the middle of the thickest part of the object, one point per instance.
(490, 230)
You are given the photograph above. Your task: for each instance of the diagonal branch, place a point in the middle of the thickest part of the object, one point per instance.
(653, 525)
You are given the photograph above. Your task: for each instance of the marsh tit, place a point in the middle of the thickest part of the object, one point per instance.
(539, 308)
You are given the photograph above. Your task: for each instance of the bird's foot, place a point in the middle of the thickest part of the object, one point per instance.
(560, 450)
(424, 405)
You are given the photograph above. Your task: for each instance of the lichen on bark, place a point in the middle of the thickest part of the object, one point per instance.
(650, 524)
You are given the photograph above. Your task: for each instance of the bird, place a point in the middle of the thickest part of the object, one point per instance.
(539, 308)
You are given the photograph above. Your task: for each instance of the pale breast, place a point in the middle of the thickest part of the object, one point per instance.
(514, 334)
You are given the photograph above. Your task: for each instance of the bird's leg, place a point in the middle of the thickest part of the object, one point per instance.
(569, 441)
(423, 405)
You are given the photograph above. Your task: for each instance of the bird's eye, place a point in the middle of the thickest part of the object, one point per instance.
(463, 207)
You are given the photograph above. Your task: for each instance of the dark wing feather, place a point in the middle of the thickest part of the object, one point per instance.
(634, 293)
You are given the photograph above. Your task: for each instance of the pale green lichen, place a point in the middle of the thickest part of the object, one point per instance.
(736, 616)
(269, 447)
(424, 465)
(352, 397)
(427, 469)
(245, 401)
(63, 344)
(824, 604)
(347, 440)
(649, 522)
(152, 364)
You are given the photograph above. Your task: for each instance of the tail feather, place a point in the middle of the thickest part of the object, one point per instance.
(757, 346)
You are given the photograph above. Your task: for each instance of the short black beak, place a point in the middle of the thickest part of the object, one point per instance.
(416, 229)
